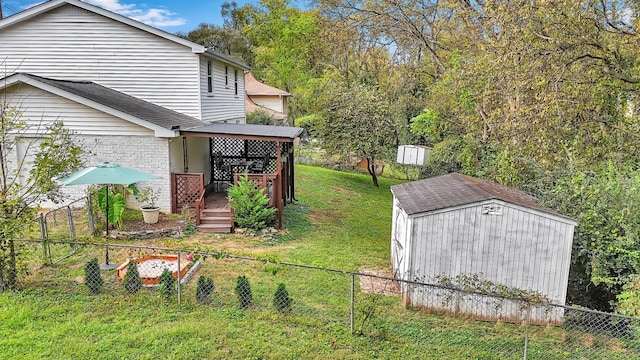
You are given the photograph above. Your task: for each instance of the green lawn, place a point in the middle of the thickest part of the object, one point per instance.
(340, 221)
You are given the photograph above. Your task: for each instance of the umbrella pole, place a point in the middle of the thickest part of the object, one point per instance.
(107, 265)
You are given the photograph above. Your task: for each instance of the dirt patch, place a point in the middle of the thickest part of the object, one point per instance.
(376, 285)
(164, 222)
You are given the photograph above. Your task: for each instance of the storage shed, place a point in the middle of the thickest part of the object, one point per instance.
(459, 225)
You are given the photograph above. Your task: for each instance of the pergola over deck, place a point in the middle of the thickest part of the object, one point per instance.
(265, 152)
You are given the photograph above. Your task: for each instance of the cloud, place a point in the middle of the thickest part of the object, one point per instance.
(150, 16)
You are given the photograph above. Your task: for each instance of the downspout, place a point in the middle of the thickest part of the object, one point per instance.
(185, 160)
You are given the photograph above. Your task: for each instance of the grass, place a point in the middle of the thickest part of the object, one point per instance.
(340, 221)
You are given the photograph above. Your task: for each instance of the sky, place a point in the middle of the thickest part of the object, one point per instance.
(169, 15)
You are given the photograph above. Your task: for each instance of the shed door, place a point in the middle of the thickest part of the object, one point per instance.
(398, 244)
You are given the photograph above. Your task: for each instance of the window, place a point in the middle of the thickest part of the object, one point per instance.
(235, 79)
(226, 75)
(209, 77)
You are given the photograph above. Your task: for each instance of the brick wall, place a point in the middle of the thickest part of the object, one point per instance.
(148, 154)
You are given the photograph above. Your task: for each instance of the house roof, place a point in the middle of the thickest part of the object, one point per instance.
(247, 131)
(251, 106)
(164, 121)
(455, 189)
(255, 87)
(225, 58)
(54, 4)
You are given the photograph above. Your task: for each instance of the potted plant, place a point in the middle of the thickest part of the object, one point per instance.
(147, 198)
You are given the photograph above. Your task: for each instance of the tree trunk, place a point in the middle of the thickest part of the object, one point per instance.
(12, 269)
(371, 167)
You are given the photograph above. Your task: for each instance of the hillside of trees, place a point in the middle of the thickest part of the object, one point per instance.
(537, 95)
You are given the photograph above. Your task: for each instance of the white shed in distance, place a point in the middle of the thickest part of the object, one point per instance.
(455, 224)
(412, 154)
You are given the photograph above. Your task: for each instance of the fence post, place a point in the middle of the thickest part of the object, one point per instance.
(72, 229)
(353, 284)
(526, 330)
(43, 236)
(92, 229)
(179, 285)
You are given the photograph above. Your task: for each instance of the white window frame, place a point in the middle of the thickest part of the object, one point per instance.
(235, 78)
(209, 77)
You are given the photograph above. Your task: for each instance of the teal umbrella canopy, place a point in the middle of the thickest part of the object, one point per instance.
(106, 173)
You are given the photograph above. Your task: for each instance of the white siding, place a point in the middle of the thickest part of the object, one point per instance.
(74, 44)
(519, 248)
(198, 157)
(223, 104)
(40, 107)
(271, 102)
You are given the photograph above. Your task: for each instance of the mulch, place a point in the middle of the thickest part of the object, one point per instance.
(164, 222)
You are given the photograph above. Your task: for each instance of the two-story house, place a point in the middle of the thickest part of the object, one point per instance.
(130, 92)
(263, 97)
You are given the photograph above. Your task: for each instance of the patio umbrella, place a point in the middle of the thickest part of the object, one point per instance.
(106, 174)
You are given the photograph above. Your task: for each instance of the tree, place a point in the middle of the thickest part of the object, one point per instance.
(222, 39)
(32, 155)
(358, 120)
(166, 285)
(92, 277)
(243, 291)
(281, 299)
(132, 281)
(250, 205)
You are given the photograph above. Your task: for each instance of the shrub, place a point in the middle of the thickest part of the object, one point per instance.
(92, 276)
(204, 290)
(166, 285)
(189, 217)
(281, 299)
(132, 280)
(249, 205)
(243, 290)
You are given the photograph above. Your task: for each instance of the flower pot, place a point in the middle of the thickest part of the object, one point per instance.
(150, 214)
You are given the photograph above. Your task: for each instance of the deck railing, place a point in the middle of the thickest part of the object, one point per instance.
(186, 189)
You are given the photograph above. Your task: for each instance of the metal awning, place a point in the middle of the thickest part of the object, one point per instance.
(246, 131)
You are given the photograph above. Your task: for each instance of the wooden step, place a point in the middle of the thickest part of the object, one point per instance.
(215, 228)
(215, 220)
(222, 220)
(216, 212)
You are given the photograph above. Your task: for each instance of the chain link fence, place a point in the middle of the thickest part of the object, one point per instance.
(448, 322)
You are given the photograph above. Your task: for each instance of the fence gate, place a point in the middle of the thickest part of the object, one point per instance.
(186, 189)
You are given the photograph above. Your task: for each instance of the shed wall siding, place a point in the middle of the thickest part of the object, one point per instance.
(518, 248)
(222, 104)
(41, 107)
(73, 44)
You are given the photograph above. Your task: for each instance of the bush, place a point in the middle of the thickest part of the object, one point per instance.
(166, 285)
(249, 205)
(132, 280)
(189, 217)
(243, 290)
(92, 277)
(204, 290)
(281, 299)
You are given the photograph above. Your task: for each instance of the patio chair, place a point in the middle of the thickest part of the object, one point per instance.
(222, 168)
(261, 166)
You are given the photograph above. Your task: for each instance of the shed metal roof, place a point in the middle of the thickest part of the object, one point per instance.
(281, 133)
(141, 109)
(455, 189)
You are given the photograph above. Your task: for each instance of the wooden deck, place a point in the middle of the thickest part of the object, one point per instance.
(216, 200)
